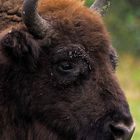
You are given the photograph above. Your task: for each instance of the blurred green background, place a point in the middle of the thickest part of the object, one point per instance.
(123, 23)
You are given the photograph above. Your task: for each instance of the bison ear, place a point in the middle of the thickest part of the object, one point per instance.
(101, 6)
(21, 48)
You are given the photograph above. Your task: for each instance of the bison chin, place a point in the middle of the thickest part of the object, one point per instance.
(95, 133)
(105, 129)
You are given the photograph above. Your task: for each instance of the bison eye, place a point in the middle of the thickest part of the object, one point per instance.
(68, 71)
(65, 67)
(70, 64)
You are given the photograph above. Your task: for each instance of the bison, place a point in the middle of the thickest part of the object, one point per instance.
(57, 76)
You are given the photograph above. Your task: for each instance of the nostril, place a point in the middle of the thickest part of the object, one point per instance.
(121, 131)
(117, 131)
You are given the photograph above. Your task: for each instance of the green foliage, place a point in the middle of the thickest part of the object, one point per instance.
(89, 2)
(124, 26)
(135, 109)
(123, 22)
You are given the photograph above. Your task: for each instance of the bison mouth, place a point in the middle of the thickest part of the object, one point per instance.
(95, 132)
(108, 127)
(98, 132)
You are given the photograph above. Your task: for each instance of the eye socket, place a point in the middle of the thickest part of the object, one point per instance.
(65, 67)
(70, 65)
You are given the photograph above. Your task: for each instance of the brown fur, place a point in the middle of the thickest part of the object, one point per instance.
(10, 13)
(39, 99)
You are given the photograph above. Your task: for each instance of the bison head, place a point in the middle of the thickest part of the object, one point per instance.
(63, 73)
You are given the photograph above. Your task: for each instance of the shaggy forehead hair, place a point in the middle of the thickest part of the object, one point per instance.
(72, 18)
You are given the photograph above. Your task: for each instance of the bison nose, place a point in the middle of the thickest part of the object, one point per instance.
(122, 132)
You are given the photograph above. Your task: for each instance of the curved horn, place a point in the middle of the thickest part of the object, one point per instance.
(34, 22)
(101, 6)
